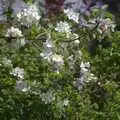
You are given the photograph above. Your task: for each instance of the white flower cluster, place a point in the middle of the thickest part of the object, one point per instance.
(85, 75)
(22, 86)
(63, 27)
(18, 72)
(48, 46)
(84, 67)
(17, 33)
(14, 32)
(55, 59)
(85, 72)
(28, 16)
(65, 102)
(72, 15)
(47, 97)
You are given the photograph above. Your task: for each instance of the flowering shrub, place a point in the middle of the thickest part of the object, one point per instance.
(64, 70)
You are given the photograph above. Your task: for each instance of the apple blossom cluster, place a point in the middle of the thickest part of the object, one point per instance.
(28, 16)
(14, 32)
(47, 97)
(55, 59)
(85, 76)
(72, 15)
(18, 72)
(65, 102)
(48, 46)
(63, 27)
(16, 35)
(22, 86)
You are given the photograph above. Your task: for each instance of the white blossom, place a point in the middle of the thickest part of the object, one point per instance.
(48, 46)
(85, 65)
(28, 16)
(85, 76)
(66, 102)
(57, 62)
(47, 97)
(18, 72)
(14, 32)
(17, 33)
(86, 73)
(91, 76)
(77, 42)
(72, 15)
(57, 59)
(63, 27)
(84, 68)
(79, 83)
(46, 55)
(22, 86)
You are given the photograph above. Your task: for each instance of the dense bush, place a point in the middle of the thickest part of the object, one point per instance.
(61, 68)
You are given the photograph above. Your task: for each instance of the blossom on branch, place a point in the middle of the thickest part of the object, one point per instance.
(28, 16)
(72, 15)
(18, 72)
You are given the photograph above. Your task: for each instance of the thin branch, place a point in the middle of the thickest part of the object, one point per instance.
(5, 37)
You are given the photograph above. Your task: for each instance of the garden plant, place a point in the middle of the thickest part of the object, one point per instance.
(64, 66)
